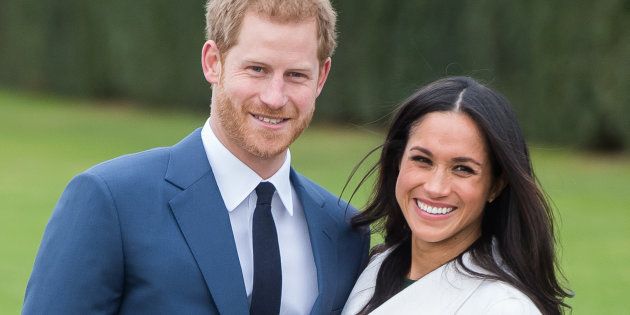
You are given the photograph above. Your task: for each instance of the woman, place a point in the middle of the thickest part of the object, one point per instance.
(467, 229)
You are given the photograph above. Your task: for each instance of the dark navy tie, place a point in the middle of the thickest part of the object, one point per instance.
(267, 287)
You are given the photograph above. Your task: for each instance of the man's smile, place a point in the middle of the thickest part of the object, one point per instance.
(269, 120)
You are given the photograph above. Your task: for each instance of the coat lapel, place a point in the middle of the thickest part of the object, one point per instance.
(322, 231)
(204, 221)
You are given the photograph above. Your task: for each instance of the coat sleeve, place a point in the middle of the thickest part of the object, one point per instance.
(79, 268)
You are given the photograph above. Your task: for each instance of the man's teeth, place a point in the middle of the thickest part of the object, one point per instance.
(273, 121)
(432, 210)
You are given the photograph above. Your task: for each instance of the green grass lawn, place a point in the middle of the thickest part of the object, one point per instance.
(44, 141)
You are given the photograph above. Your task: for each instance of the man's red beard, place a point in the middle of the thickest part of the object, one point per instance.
(258, 142)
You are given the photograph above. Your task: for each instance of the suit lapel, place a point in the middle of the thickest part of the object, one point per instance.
(204, 221)
(322, 232)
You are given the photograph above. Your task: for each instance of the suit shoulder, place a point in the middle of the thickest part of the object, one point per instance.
(134, 165)
(133, 159)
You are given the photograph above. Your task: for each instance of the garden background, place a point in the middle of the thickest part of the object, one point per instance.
(85, 81)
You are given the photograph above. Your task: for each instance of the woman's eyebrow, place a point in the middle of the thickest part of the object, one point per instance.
(421, 149)
(464, 159)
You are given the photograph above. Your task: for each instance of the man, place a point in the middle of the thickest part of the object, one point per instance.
(187, 229)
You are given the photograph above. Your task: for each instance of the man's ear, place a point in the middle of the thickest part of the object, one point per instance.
(324, 70)
(211, 62)
(498, 186)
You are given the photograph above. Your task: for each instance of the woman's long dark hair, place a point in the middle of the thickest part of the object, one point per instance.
(519, 220)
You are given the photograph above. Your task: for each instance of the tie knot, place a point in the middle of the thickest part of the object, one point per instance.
(264, 191)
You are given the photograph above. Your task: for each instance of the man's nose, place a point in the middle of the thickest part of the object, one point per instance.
(273, 94)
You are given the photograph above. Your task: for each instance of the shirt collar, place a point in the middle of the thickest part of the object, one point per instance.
(236, 180)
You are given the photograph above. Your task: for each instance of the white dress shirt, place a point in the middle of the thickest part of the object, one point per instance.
(237, 183)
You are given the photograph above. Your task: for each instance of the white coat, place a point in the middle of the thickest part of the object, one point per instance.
(446, 290)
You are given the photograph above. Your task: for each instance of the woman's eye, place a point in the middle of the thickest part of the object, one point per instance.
(421, 159)
(464, 169)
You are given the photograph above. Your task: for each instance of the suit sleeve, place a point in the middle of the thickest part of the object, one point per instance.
(79, 268)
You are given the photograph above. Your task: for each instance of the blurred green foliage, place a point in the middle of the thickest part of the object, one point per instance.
(564, 64)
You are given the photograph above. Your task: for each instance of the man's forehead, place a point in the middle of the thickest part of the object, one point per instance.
(293, 21)
(259, 36)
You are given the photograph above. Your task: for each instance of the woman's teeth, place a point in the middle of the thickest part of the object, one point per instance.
(432, 210)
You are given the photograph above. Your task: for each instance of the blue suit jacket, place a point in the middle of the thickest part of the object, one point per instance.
(148, 233)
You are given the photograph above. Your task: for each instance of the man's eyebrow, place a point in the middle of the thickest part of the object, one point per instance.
(252, 61)
(298, 67)
(301, 69)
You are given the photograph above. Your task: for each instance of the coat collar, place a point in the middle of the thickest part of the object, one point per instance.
(236, 180)
(442, 291)
(188, 161)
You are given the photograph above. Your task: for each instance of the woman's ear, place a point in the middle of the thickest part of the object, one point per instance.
(497, 187)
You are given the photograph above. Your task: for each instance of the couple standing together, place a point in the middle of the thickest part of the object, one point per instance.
(221, 223)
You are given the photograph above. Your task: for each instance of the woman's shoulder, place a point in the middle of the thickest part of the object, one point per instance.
(497, 297)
